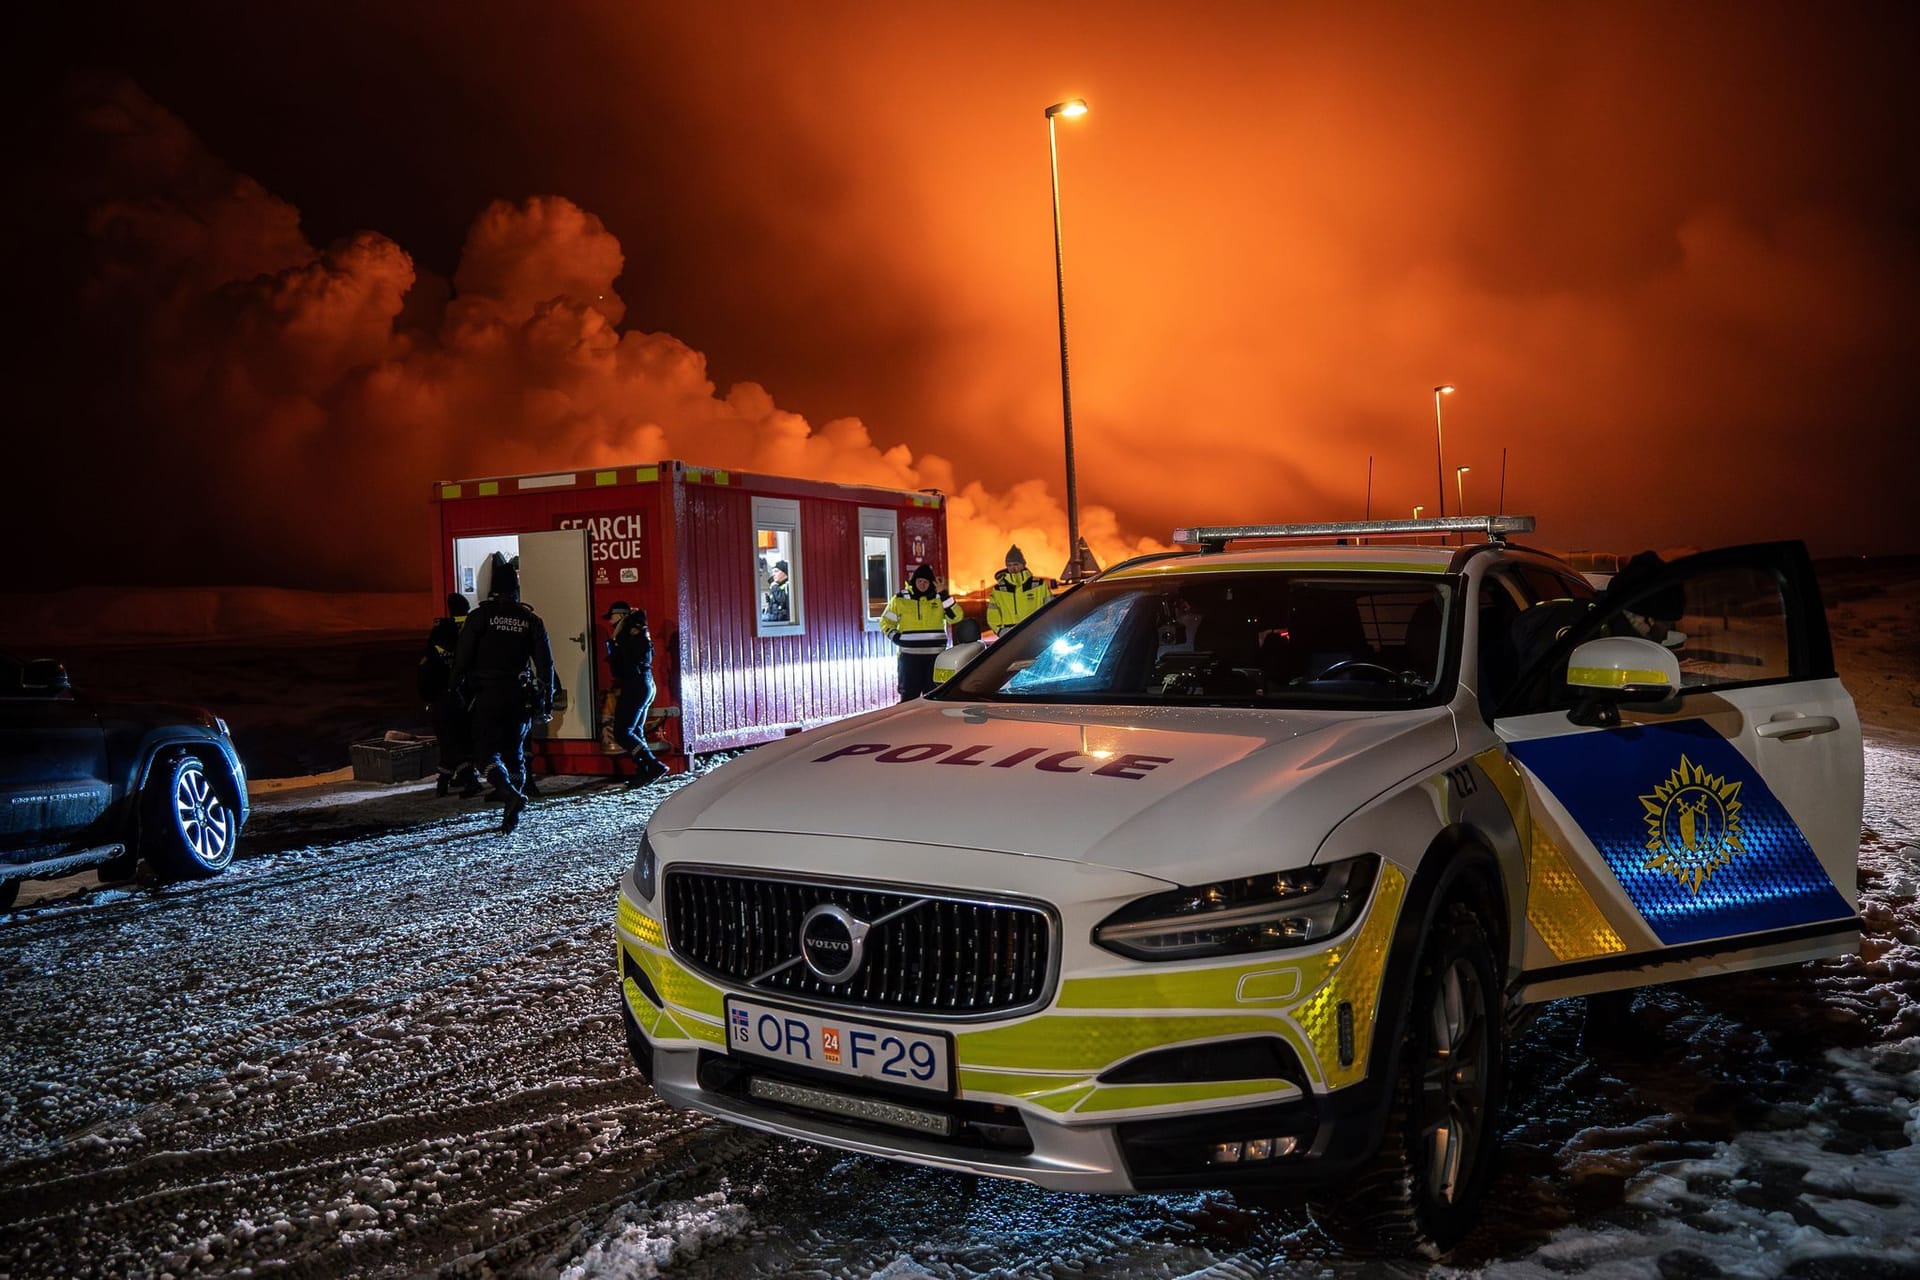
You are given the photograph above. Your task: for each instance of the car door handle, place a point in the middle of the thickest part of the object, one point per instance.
(1793, 724)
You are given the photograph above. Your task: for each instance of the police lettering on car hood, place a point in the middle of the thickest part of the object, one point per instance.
(1052, 783)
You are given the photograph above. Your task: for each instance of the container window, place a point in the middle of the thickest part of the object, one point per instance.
(879, 560)
(777, 569)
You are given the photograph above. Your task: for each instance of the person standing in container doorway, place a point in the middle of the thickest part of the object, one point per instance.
(1017, 595)
(630, 654)
(504, 656)
(777, 606)
(916, 620)
(451, 729)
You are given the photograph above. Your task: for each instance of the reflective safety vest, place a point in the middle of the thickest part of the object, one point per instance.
(955, 658)
(919, 622)
(1015, 599)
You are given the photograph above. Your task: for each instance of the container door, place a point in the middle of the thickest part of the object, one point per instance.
(554, 580)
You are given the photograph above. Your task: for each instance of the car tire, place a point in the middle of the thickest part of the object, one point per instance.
(1422, 1190)
(187, 830)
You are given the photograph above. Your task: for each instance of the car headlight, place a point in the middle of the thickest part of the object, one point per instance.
(1231, 917)
(646, 869)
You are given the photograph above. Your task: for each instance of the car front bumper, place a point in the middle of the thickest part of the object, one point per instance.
(1036, 1096)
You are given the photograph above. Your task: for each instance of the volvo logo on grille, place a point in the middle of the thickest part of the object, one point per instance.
(833, 942)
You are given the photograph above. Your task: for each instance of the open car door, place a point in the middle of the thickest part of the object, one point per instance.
(1714, 830)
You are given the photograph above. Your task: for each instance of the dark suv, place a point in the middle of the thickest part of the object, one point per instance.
(88, 783)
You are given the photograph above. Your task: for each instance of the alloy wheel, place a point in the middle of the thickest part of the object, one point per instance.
(1454, 1079)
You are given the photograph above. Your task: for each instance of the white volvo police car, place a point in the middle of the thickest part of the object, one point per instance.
(1236, 868)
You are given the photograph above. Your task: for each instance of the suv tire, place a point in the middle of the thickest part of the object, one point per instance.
(186, 828)
(1421, 1191)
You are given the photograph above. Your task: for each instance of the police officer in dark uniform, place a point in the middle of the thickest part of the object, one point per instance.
(630, 654)
(450, 716)
(502, 641)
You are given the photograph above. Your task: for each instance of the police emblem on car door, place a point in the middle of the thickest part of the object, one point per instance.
(1689, 767)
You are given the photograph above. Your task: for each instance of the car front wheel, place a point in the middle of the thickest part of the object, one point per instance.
(1422, 1191)
(187, 830)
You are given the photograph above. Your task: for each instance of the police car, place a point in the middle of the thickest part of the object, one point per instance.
(1237, 867)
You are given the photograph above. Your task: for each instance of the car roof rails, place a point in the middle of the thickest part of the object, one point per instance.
(1216, 537)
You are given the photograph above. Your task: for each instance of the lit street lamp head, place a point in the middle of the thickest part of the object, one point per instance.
(1070, 108)
(1444, 389)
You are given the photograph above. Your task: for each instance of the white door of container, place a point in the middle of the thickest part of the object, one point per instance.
(554, 580)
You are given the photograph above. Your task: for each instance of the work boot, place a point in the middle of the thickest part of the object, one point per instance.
(441, 783)
(473, 785)
(646, 772)
(510, 797)
(531, 790)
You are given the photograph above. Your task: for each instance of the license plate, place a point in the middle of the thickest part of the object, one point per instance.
(864, 1050)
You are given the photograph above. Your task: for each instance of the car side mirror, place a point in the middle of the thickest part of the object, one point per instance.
(45, 676)
(1603, 674)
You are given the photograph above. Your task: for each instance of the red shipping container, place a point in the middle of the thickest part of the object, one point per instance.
(695, 547)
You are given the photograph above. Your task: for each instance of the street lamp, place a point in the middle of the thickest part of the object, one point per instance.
(1070, 108)
(1460, 481)
(1439, 466)
(1417, 509)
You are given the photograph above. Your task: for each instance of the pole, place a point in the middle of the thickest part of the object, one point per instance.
(1503, 482)
(1066, 392)
(1439, 449)
(1369, 514)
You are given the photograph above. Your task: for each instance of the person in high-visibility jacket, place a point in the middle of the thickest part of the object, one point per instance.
(1016, 594)
(916, 619)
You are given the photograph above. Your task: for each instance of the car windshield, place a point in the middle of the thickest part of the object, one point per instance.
(1247, 639)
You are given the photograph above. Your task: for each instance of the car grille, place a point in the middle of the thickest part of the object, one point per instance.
(946, 956)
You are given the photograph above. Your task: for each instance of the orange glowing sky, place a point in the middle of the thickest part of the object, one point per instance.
(1668, 255)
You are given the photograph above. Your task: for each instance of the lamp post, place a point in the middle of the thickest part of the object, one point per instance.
(1070, 108)
(1439, 465)
(1417, 509)
(1460, 483)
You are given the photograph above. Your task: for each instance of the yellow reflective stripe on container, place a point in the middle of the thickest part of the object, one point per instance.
(646, 475)
(720, 477)
(489, 488)
(606, 477)
(1212, 565)
(1356, 982)
(1608, 678)
(449, 491)
(1559, 907)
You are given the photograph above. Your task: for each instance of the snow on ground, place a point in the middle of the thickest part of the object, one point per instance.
(387, 1043)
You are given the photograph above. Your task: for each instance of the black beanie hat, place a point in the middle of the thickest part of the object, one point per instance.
(457, 605)
(924, 571)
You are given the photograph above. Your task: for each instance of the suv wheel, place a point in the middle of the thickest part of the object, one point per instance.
(1421, 1191)
(186, 827)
